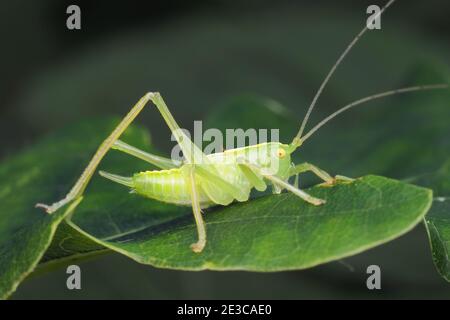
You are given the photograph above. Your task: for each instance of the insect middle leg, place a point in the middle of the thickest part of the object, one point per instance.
(285, 185)
(201, 230)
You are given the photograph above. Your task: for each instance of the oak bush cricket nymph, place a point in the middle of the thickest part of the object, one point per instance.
(204, 180)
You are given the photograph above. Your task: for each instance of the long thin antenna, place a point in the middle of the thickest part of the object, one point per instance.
(333, 69)
(369, 98)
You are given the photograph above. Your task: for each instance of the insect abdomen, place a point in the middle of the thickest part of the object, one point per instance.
(167, 186)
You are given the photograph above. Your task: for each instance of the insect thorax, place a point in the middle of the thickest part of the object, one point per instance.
(273, 157)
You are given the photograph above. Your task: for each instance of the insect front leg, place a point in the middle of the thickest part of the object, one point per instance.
(198, 246)
(82, 182)
(305, 167)
(302, 194)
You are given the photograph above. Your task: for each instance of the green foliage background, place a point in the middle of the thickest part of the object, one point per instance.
(200, 60)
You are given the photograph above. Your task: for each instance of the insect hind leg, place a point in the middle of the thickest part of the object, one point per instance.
(82, 182)
(158, 161)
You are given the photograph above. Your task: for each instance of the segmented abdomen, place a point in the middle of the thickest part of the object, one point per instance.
(167, 186)
(171, 186)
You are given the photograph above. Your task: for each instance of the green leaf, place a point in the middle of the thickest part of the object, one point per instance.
(22, 243)
(44, 173)
(404, 136)
(378, 153)
(277, 232)
(37, 180)
(437, 221)
(68, 245)
(438, 227)
(415, 140)
(257, 235)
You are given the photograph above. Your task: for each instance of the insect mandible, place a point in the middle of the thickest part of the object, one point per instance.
(203, 180)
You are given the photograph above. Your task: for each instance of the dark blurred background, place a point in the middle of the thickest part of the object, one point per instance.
(199, 54)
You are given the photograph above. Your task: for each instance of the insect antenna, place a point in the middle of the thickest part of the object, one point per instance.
(297, 139)
(369, 98)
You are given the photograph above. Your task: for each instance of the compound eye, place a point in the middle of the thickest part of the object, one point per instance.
(281, 153)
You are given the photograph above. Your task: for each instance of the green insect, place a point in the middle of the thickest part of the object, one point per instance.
(204, 180)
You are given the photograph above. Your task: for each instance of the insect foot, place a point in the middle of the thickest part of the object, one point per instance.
(336, 180)
(329, 183)
(343, 179)
(198, 246)
(47, 208)
(316, 201)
